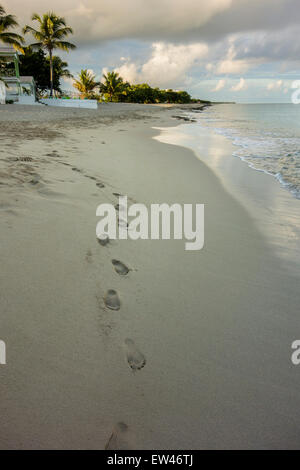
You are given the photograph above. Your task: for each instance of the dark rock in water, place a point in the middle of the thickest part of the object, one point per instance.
(184, 118)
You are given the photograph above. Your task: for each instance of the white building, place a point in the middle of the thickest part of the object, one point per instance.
(19, 89)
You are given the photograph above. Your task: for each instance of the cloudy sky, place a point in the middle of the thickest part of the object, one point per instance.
(233, 50)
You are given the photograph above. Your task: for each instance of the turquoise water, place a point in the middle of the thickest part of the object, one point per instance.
(266, 136)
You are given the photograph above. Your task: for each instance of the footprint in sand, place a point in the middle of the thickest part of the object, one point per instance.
(112, 300)
(120, 438)
(135, 358)
(89, 256)
(35, 181)
(103, 239)
(120, 267)
(76, 169)
(52, 154)
(64, 163)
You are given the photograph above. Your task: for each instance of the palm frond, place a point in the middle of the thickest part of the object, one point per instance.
(62, 32)
(36, 17)
(64, 45)
(7, 37)
(8, 21)
(36, 45)
(11, 36)
(29, 29)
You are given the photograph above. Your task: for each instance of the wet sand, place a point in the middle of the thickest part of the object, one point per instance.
(198, 353)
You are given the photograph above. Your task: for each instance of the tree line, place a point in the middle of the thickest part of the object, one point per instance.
(38, 60)
(114, 88)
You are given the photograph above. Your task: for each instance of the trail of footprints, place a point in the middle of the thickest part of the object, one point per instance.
(120, 437)
(99, 184)
(136, 360)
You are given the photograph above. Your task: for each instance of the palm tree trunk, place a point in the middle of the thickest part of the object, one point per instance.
(51, 73)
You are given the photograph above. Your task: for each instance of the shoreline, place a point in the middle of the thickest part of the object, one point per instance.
(273, 207)
(214, 326)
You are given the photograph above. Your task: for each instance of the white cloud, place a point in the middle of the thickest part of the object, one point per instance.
(232, 65)
(95, 20)
(241, 85)
(129, 72)
(168, 64)
(220, 85)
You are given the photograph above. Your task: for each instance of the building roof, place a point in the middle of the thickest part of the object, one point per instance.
(8, 51)
(12, 79)
(23, 80)
(27, 79)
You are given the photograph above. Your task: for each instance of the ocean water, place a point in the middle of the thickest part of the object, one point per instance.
(266, 136)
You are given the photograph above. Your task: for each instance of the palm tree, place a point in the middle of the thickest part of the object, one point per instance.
(112, 85)
(86, 83)
(60, 67)
(50, 35)
(7, 37)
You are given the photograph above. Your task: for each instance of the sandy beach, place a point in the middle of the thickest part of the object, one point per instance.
(212, 328)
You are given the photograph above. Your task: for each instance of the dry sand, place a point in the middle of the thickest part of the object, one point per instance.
(209, 333)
